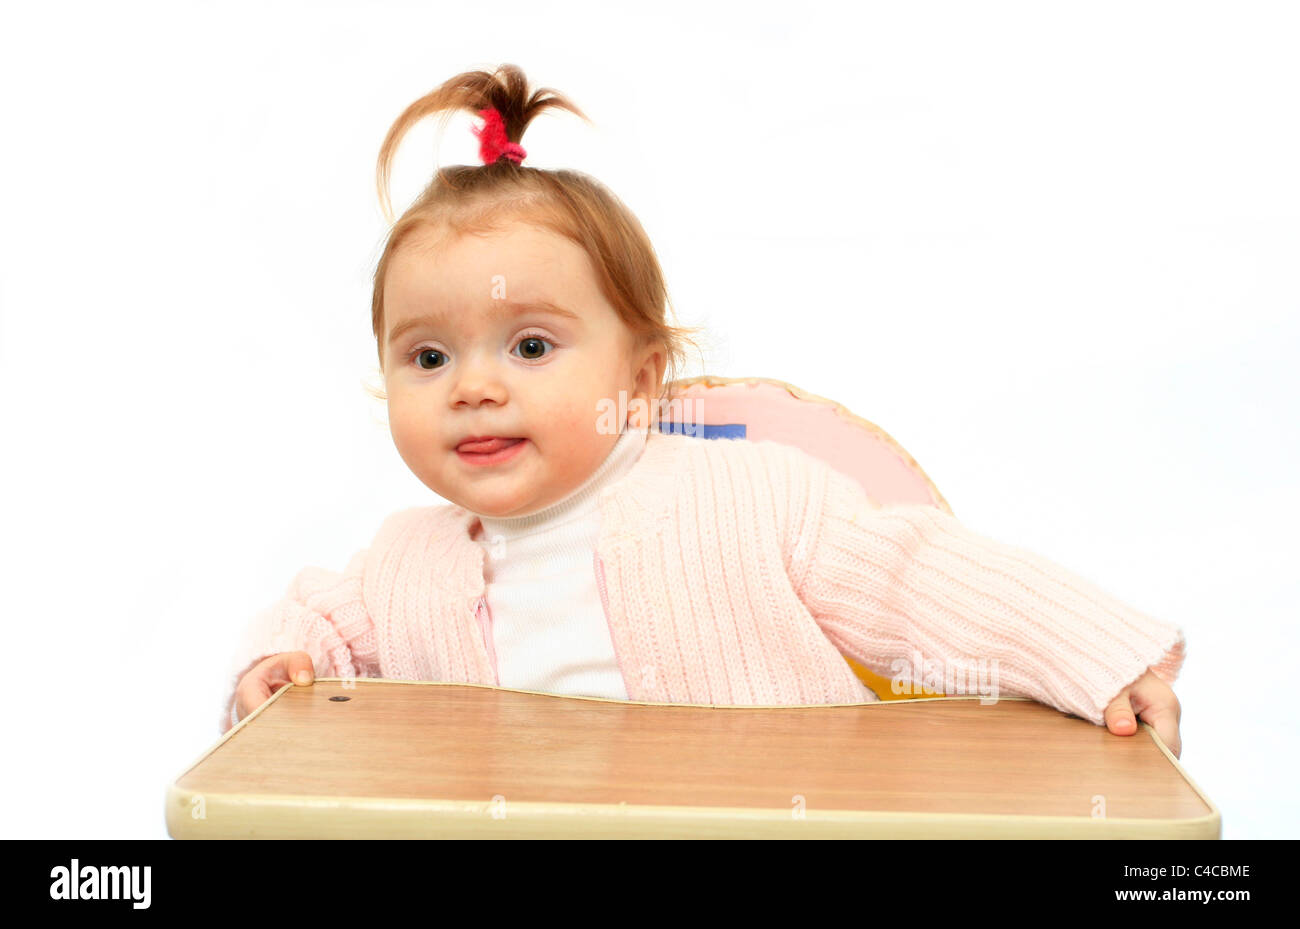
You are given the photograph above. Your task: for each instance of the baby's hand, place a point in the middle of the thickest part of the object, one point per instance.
(268, 676)
(1154, 701)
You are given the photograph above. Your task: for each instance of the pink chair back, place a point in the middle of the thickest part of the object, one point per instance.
(758, 408)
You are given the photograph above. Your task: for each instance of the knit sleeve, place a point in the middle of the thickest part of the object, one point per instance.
(908, 591)
(323, 613)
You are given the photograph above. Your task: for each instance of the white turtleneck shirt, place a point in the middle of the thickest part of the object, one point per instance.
(549, 629)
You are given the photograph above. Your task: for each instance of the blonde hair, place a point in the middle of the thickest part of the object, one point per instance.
(476, 198)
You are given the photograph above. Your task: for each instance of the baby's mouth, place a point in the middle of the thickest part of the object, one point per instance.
(486, 446)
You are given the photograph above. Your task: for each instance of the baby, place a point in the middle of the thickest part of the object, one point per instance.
(519, 319)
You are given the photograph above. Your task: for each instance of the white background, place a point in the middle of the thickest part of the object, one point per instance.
(1050, 248)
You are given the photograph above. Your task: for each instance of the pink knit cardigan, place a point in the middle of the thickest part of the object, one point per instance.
(736, 572)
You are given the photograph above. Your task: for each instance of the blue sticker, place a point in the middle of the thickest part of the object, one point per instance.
(700, 430)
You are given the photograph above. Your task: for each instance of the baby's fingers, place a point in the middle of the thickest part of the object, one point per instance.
(299, 668)
(1156, 703)
(286, 668)
(269, 676)
(1161, 714)
(1119, 715)
(253, 691)
(1160, 710)
(1164, 720)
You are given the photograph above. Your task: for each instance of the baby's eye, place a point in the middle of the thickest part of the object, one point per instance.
(422, 353)
(531, 345)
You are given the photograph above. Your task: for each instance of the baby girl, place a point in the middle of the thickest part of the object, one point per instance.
(589, 554)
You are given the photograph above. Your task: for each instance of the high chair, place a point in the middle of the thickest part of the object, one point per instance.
(375, 758)
(758, 408)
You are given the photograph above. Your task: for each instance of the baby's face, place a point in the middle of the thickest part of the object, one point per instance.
(470, 352)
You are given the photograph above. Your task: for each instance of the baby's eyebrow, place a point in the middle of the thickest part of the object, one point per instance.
(498, 309)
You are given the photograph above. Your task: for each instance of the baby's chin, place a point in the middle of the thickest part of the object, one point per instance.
(495, 507)
(494, 512)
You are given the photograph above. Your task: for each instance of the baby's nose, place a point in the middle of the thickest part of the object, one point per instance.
(479, 384)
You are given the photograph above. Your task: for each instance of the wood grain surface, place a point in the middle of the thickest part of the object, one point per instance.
(420, 759)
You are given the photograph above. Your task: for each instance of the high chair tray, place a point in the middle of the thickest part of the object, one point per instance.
(402, 759)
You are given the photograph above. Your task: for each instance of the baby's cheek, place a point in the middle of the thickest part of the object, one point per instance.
(572, 425)
(410, 435)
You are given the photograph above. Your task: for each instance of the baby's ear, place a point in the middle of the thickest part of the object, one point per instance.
(652, 361)
(661, 364)
(648, 372)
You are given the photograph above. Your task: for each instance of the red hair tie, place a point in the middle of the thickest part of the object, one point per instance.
(493, 144)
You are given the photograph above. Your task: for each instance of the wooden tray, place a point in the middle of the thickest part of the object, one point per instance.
(407, 759)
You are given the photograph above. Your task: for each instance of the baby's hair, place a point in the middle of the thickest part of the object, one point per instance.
(481, 198)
